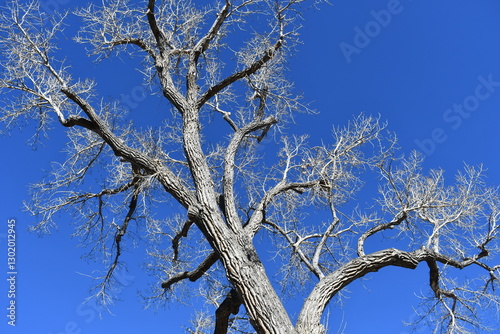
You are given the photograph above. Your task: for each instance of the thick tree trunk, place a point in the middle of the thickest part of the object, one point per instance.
(246, 272)
(237, 253)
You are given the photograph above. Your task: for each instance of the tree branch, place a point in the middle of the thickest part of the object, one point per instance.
(226, 115)
(229, 165)
(181, 234)
(122, 230)
(203, 43)
(157, 33)
(322, 293)
(268, 55)
(195, 274)
(171, 182)
(257, 217)
(434, 281)
(296, 248)
(80, 121)
(230, 305)
(324, 238)
(201, 47)
(396, 221)
(134, 41)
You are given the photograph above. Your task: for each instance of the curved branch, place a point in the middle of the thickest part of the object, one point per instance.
(229, 164)
(192, 275)
(396, 221)
(226, 115)
(134, 41)
(328, 287)
(80, 121)
(315, 304)
(177, 238)
(171, 182)
(257, 217)
(434, 281)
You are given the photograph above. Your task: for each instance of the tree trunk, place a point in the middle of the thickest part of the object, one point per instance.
(246, 272)
(237, 253)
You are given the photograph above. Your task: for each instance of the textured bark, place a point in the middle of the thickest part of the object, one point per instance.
(238, 255)
(246, 272)
(230, 305)
(182, 52)
(310, 315)
(263, 306)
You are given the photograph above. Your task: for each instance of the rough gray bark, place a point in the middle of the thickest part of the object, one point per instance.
(230, 306)
(227, 192)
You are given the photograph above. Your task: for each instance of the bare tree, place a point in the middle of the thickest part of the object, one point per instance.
(225, 190)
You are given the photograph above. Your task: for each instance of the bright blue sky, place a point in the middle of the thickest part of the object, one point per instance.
(430, 57)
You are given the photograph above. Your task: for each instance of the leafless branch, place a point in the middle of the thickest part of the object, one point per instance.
(309, 199)
(194, 274)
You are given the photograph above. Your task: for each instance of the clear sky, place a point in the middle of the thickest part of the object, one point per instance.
(430, 68)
